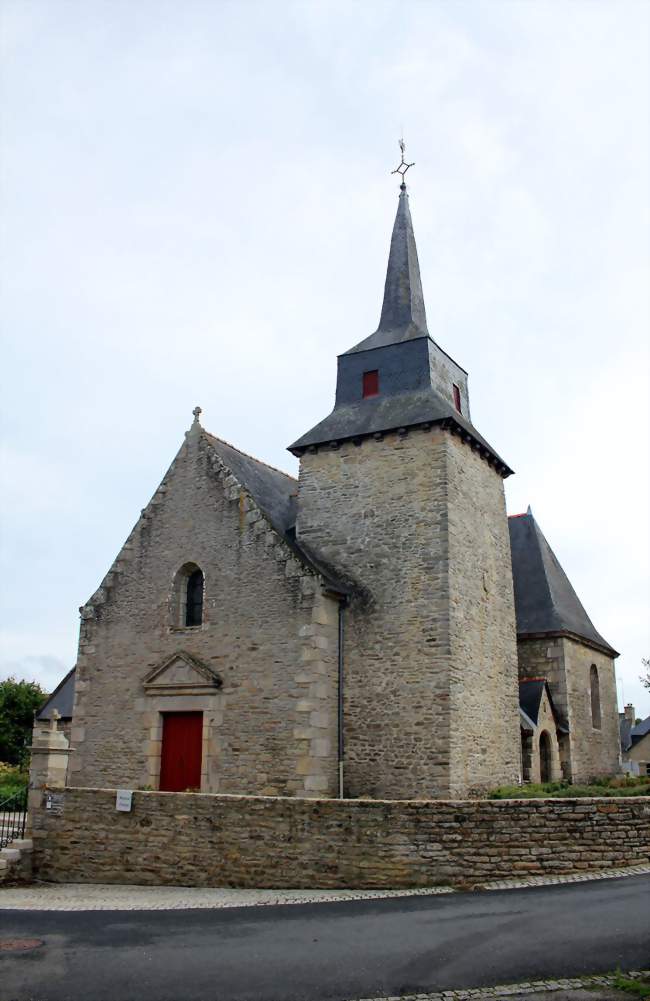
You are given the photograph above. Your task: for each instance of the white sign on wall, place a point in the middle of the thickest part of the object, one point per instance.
(124, 800)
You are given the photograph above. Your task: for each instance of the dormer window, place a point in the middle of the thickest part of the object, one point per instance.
(457, 398)
(371, 383)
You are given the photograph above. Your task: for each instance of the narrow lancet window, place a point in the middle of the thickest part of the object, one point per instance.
(457, 398)
(194, 599)
(595, 697)
(371, 383)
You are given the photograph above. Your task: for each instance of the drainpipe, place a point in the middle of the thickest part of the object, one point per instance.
(341, 747)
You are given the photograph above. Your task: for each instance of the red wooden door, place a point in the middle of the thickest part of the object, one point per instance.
(180, 758)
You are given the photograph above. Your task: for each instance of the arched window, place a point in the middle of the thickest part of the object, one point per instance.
(194, 599)
(186, 606)
(595, 697)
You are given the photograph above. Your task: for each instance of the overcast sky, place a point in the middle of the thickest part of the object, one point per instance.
(196, 208)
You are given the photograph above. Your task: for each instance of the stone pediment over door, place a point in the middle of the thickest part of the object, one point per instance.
(182, 674)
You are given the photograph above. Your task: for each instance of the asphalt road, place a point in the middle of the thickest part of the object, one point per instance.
(323, 952)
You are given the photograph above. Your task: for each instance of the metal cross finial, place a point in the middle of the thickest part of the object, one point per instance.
(404, 166)
(197, 413)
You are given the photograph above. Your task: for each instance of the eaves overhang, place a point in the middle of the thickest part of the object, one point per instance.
(401, 414)
(567, 634)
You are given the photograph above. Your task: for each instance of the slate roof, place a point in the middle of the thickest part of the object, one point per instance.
(403, 315)
(407, 397)
(641, 730)
(61, 699)
(387, 413)
(530, 699)
(624, 728)
(275, 493)
(545, 601)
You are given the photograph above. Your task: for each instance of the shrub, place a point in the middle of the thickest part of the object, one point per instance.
(619, 785)
(12, 780)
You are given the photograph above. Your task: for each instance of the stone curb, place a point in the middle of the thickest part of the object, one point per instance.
(117, 897)
(504, 991)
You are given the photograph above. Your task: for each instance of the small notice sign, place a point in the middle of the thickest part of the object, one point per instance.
(124, 800)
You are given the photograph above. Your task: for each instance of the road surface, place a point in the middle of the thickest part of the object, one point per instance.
(329, 951)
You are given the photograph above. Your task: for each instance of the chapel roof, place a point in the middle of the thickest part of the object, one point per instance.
(531, 691)
(61, 699)
(545, 601)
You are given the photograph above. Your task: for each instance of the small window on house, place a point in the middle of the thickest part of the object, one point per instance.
(194, 599)
(595, 697)
(457, 398)
(371, 383)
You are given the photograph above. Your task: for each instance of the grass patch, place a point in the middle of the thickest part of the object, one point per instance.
(619, 785)
(635, 988)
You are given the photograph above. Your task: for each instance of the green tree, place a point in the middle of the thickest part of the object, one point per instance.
(19, 700)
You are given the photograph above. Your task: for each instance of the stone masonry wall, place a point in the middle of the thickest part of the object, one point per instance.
(202, 840)
(429, 647)
(566, 665)
(485, 737)
(268, 631)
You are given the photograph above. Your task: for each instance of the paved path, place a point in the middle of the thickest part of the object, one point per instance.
(116, 897)
(329, 951)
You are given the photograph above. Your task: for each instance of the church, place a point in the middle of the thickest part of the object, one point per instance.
(376, 628)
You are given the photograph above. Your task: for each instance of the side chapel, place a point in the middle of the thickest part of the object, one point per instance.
(376, 628)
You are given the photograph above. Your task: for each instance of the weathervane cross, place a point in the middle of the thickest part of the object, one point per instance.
(404, 166)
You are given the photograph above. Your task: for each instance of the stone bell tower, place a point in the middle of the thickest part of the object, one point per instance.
(401, 494)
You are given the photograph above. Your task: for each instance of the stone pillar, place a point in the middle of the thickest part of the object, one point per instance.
(49, 761)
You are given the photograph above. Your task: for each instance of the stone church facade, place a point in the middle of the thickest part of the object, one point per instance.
(357, 631)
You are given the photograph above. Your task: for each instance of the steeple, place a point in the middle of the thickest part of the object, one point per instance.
(403, 315)
(398, 377)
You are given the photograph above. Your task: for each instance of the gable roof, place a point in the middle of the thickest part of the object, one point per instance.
(61, 699)
(545, 601)
(531, 691)
(639, 731)
(275, 494)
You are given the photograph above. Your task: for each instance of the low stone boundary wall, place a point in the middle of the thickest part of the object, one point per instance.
(189, 839)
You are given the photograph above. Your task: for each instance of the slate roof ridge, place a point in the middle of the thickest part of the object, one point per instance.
(253, 458)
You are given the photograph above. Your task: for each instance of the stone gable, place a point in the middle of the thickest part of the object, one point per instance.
(268, 634)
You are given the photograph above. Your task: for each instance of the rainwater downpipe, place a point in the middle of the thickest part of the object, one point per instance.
(341, 748)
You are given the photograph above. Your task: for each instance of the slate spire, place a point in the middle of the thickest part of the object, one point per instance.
(403, 306)
(403, 315)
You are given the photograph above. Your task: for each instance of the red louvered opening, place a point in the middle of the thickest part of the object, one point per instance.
(457, 398)
(371, 383)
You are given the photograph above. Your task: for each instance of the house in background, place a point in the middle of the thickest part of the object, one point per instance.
(635, 742)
